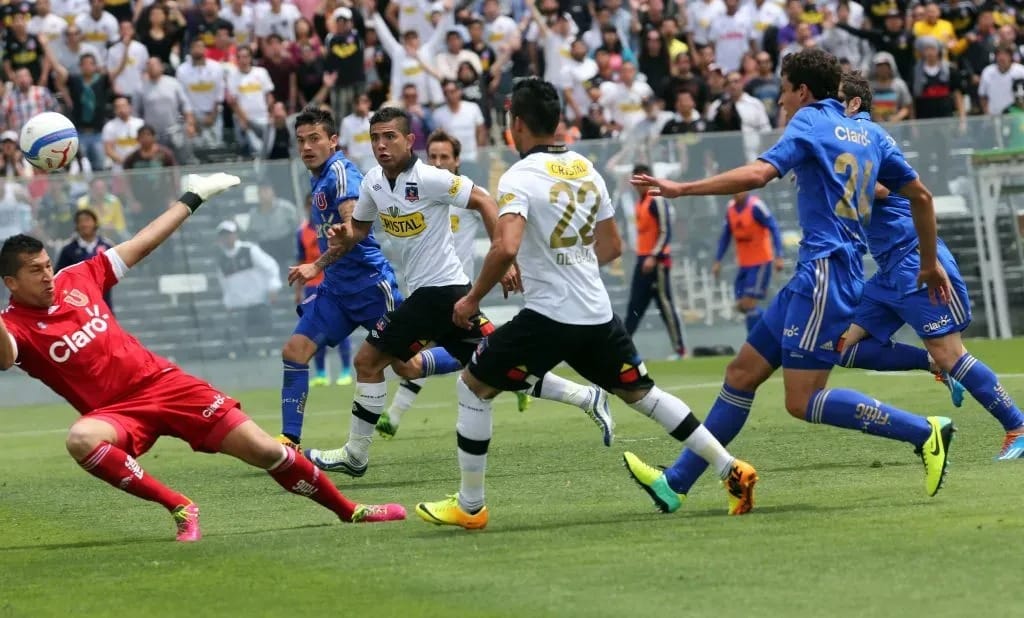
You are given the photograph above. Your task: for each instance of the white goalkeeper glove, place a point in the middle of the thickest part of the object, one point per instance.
(198, 188)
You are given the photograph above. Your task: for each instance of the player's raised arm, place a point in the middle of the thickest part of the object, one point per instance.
(198, 189)
(483, 203)
(739, 180)
(8, 349)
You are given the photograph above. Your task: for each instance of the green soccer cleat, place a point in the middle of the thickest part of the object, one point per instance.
(523, 400)
(935, 453)
(385, 427)
(652, 480)
(319, 380)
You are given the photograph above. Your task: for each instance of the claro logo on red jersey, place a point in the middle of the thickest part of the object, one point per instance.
(68, 345)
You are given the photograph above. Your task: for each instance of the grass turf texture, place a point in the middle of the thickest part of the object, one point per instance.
(841, 528)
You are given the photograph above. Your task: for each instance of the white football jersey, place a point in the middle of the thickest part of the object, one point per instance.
(562, 198)
(466, 226)
(414, 212)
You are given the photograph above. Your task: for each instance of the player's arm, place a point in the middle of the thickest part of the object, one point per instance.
(607, 241)
(198, 189)
(723, 245)
(483, 203)
(8, 348)
(739, 180)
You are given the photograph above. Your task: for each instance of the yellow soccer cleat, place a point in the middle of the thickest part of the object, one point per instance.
(447, 512)
(740, 487)
(285, 440)
(320, 380)
(652, 480)
(523, 400)
(935, 453)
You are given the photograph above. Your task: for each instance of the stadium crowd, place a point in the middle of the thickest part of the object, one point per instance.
(154, 84)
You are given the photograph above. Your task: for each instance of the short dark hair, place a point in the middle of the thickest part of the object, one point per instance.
(814, 68)
(121, 96)
(87, 55)
(641, 168)
(440, 135)
(15, 247)
(313, 115)
(147, 128)
(856, 85)
(86, 212)
(387, 114)
(536, 103)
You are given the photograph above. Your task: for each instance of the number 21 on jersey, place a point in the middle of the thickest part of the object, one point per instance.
(576, 198)
(846, 163)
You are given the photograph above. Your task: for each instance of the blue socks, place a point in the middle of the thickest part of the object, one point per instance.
(437, 361)
(848, 409)
(982, 383)
(294, 390)
(888, 356)
(320, 360)
(345, 352)
(752, 317)
(724, 421)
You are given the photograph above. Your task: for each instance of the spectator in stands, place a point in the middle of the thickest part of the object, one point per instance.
(126, 61)
(99, 28)
(768, 18)
(748, 115)
(163, 105)
(345, 58)
(653, 61)
(465, 121)
(731, 32)
(203, 83)
(686, 118)
(46, 25)
(446, 62)
(313, 83)
(794, 17)
(250, 93)
(12, 161)
(279, 65)
(249, 281)
(276, 18)
(766, 86)
(206, 27)
(471, 84)
(618, 52)
(892, 38)
(842, 43)
(673, 37)
(155, 180)
(940, 29)
(354, 135)
(223, 49)
(479, 45)
(68, 51)
(938, 89)
(420, 117)
(892, 99)
(805, 39)
(406, 66)
(303, 36)
(623, 100)
(25, 100)
(84, 244)
(272, 224)
(981, 50)
(242, 18)
(699, 16)
(120, 134)
(579, 69)
(24, 50)
(684, 78)
(503, 35)
(87, 96)
(161, 36)
(106, 207)
(15, 202)
(995, 89)
(279, 143)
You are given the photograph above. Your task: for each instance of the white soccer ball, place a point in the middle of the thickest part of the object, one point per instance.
(49, 141)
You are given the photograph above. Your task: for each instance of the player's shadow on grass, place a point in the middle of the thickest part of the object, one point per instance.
(851, 465)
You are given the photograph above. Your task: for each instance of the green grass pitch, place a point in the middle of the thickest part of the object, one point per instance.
(841, 527)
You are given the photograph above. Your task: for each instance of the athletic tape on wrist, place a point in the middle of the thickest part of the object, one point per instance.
(191, 200)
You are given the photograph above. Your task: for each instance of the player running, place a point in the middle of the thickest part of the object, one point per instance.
(892, 298)
(443, 151)
(357, 288)
(836, 161)
(758, 250)
(59, 330)
(558, 221)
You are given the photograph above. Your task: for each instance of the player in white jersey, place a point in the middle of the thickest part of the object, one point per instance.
(443, 150)
(557, 221)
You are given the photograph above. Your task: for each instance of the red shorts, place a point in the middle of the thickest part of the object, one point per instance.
(172, 404)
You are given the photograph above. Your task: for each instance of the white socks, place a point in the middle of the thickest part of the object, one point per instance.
(406, 394)
(556, 388)
(366, 409)
(675, 417)
(473, 432)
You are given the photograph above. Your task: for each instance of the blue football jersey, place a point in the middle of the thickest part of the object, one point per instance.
(836, 161)
(363, 266)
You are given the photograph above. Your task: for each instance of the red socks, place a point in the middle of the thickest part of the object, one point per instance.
(120, 469)
(299, 476)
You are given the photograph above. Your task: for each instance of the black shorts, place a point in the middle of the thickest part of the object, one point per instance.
(520, 351)
(425, 317)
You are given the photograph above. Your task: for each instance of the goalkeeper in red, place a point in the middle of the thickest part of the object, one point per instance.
(59, 330)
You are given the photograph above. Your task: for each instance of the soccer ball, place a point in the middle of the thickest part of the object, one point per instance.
(49, 141)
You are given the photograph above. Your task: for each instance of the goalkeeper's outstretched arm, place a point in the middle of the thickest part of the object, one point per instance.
(198, 189)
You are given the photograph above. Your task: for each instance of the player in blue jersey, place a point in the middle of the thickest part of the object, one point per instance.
(892, 298)
(357, 289)
(837, 162)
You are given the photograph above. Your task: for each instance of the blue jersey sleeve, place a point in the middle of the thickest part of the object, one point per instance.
(893, 170)
(723, 240)
(300, 249)
(794, 144)
(763, 216)
(342, 182)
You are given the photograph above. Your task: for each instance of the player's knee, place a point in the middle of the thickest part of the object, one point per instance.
(739, 375)
(796, 405)
(298, 350)
(265, 453)
(368, 362)
(81, 441)
(946, 351)
(410, 370)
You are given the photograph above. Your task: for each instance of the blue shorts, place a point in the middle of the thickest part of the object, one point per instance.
(752, 281)
(891, 300)
(328, 318)
(803, 324)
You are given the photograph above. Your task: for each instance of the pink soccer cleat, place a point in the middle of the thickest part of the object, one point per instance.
(373, 513)
(186, 518)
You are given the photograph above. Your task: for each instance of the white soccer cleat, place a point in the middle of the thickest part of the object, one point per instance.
(213, 184)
